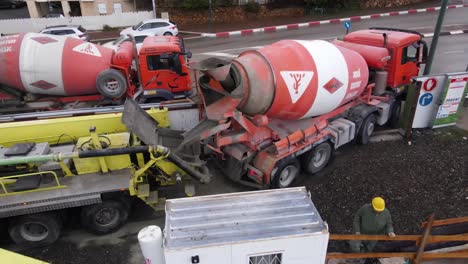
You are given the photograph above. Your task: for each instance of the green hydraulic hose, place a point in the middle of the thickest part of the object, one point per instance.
(38, 158)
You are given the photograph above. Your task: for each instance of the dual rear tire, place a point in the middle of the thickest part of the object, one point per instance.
(287, 171)
(43, 229)
(35, 229)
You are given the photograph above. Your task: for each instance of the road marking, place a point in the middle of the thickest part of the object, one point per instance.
(419, 28)
(455, 51)
(456, 32)
(218, 54)
(451, 25)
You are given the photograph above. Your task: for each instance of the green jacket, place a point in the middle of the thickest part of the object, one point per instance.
(368, 222)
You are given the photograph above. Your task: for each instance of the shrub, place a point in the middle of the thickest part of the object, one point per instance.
(197, 4)
(107, 28)
(252, 7)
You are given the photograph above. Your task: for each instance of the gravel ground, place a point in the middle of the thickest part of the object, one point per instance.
(415, 180)
(428, 176)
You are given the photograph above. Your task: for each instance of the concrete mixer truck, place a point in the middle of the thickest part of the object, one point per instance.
(289, 105)
(39, 71)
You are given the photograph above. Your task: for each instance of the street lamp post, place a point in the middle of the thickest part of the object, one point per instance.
(435, 38)
(154, 8)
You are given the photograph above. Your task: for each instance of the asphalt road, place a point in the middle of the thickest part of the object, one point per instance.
(452, 53)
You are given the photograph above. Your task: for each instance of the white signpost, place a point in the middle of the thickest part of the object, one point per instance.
(428, 101)
(439, 99)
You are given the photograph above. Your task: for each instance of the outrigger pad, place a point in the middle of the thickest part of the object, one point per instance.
(19, 149)
(27, 183)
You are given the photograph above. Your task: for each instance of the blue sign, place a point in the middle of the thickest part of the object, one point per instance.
(426, 99)
(347, 25)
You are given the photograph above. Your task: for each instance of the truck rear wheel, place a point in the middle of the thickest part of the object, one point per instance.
(104, 218)
(317, 158)
(394, 120)
(286, 173)
(35, 229)
(366, 130)
(111, 84)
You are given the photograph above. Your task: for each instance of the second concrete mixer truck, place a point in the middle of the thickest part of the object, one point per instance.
(272, 111)
(47, 72)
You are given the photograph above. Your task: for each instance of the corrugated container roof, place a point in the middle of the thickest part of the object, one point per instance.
(237, 217)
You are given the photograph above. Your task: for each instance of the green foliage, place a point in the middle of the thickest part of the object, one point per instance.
(274, 4)
(226, 3)
(330, 3)
(317, 3)
(196, 4)
(252, 7)
(107, 28)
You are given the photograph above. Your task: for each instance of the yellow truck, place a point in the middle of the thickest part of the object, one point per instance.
(15, 258)
(41, 178)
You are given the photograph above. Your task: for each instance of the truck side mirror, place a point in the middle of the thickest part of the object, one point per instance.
(189, 54)
(423, 51)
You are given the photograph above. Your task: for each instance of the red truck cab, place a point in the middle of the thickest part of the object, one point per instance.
(406, 48)
(164, 74)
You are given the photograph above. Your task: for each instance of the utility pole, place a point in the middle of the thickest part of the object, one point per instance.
(435, 38)
(154, 8)
(210, 10)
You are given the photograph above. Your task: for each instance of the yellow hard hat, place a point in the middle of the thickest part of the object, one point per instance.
(378, 204)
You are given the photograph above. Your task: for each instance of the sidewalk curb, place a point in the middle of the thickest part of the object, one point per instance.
(247, 32)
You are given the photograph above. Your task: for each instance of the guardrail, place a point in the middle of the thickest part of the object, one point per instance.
(421, 241)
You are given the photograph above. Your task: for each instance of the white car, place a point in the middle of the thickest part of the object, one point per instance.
(77, 32)
(157, 27)
(116, 43)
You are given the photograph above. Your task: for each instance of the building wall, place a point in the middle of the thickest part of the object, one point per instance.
(88, 9)
(12, 26)
(38, 8)
(92, 8)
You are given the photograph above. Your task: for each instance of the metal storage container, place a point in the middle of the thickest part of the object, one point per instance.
(273, 227)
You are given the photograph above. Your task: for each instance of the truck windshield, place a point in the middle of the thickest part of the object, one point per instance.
(163, 62)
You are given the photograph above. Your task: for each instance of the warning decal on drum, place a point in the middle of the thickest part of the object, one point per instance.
(88, 48)
(297, 82)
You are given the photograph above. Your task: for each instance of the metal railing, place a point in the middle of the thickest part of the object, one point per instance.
(421, 242)
(8, 180)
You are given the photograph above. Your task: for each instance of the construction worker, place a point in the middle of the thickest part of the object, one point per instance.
(371, 219)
